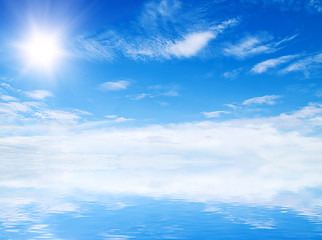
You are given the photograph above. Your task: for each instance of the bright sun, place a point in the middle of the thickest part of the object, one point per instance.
(42, 50)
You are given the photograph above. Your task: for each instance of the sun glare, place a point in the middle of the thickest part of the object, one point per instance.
(42, 50)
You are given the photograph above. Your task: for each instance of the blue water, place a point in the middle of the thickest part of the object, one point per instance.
(133, 217)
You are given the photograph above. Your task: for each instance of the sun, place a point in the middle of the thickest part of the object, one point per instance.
(42, 50)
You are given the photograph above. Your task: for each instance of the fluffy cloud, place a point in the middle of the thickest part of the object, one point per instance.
(255, 161)
(191, 44)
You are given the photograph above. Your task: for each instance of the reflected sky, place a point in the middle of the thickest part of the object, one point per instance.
(160, 119)
(116, 217)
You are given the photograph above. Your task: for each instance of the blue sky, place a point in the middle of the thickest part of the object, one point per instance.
(200, 101)
(172, 61)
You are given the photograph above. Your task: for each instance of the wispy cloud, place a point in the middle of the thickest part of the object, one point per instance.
(39, 94)
(118, 119)
(37, 111)
(164, 30)
(183, 46)
(170, 93)
(254, 45)
(272, 63)
(287, 39)
(305, 64)
(12, 108)
(10, 88)
(8, 98)
(140, 96)
(114, 86)
(268, 99)
(58, 115)
(157, 91)
(233, 106)
(232, 74)
(311, 6)
(215, 114)
(156, 13)
(315, 4)
(249, 46)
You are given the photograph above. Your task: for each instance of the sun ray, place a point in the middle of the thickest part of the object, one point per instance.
(42, 50)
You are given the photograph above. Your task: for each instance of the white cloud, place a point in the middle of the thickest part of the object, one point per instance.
(165, 30)
(250, 161)
(232, 74)
(97, 48)
(82, 112)
(253, 45)
(233, 106)
(271, 63)
(215, 114)
(319, 93)
(254, 155)
(111, 116)
(158, 12)
(8, 98)
(249, 46)
(10, 88)
(140, 96)
(191, 44)
(123, 119)
(291, 5)
(268, 99)
(316, 4)
(114, 86)
(287, 39)
(305, 64)
(39, 94)
(60, 116)
(170, 93)
(12, 108)
(306, 112)
(117, 119)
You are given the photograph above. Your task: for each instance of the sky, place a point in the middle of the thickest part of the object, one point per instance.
(197, 101)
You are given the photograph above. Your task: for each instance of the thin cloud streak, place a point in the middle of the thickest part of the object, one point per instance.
(271, 63)
(254, 45)
(268, 99)
(114, 86)
(215, 114)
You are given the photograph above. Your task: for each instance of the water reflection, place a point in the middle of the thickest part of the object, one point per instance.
(43, 214)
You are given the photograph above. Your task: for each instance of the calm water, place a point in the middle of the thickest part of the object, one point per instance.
(27, 214)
